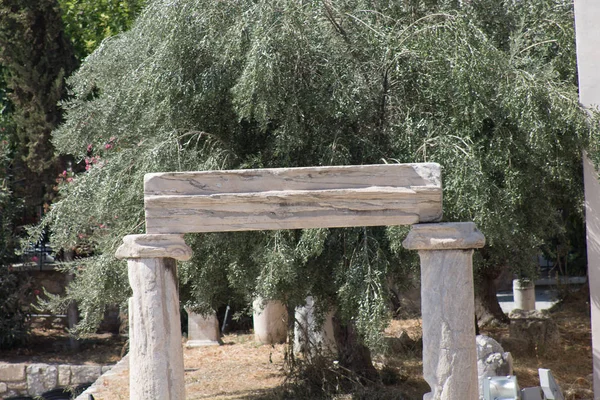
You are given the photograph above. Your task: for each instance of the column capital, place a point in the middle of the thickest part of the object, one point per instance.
(444, 236)
(154, 246)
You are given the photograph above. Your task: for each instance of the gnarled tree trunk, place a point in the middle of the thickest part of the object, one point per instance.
(487, 308)
(353, 354)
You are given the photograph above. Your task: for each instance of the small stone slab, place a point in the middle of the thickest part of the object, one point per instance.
(202, 330)
(444, 236)
(292, 198)
(64, 375)
(12, 372)
(85, 373)
(154, 246)
(549, 386)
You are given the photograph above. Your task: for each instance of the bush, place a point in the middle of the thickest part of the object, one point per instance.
(13, 314)
(13, 288)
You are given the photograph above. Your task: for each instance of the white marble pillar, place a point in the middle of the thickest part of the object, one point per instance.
(155, 349)
(524, 294)
(447, 307)
(270, 320)
(311, 337)
(587, 29)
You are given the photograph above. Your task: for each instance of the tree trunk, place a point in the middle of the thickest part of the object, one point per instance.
(72, 311)
(487, 308)
(352, 353)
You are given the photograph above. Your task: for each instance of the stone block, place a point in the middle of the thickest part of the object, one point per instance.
(12, 372)
(3, 388)
(85, 373)
(106, 368)
(492, 360)
(534, 327)
(203, 330)
(518, 346)
(18, 386)
(13, 393)
(41, 378)
(64, 375)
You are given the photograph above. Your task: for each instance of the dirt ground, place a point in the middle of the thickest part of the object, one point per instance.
(243, 369)
(52, 346)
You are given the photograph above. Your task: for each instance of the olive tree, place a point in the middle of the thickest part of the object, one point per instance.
(200, 85)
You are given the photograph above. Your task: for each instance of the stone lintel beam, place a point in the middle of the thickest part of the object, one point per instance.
(444, 236)
(154, 246)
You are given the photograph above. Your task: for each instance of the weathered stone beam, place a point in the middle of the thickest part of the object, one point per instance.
(293, 198)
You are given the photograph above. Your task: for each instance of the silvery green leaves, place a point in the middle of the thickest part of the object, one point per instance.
(200, 85)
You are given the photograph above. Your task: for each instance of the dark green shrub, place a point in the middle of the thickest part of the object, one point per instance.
(13, 315)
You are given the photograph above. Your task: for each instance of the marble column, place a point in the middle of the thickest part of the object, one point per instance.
(312, 336)
(524, 294)
(155, 349)
(270, 320)
(447, 307)
(587, 30)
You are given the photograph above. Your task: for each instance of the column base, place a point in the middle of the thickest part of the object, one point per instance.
(201, 343)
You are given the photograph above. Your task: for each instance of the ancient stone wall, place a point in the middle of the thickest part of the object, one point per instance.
(25, 379)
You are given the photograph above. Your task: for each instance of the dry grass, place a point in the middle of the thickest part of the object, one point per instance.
(571, 363)
(239, 369)
(242, 369)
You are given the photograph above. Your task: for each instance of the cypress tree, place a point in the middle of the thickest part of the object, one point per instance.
(36, 57)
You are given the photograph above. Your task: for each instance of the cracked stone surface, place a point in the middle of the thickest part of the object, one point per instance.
(449, 353)
(492, 360)
(156, 353)
(448, 307)
(313, 335)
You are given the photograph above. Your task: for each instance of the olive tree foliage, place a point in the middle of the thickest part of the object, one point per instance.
(201, 85)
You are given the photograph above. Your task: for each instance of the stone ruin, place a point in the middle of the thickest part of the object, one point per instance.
(295, 198)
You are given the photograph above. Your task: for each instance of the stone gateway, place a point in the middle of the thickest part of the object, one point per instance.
(294, 198)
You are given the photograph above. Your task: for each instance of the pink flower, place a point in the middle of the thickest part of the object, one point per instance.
(112, 139)
(64, 173)
(34, 258)
(108, 146)
(69, 179)
(36, 292)
(102, 226)
(89, 148)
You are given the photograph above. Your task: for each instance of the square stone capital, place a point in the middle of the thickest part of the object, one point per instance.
(444, 236)
(154, 246)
